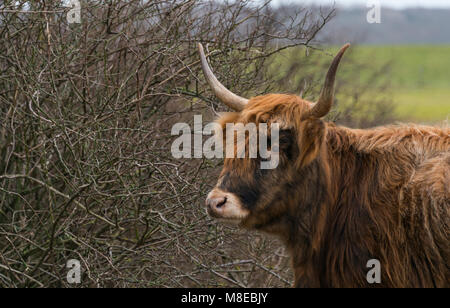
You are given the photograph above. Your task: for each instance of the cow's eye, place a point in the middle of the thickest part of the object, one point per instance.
(285, 137)
(287, 143)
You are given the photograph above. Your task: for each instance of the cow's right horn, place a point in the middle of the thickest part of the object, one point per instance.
(230, 99)
(323, 105)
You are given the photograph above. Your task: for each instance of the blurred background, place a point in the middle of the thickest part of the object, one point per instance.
(86, 111)
(410, 39)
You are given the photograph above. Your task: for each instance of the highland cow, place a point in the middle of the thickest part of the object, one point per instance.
(340, 196)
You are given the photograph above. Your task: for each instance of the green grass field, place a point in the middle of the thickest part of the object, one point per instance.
(429, 105)
(418, 77)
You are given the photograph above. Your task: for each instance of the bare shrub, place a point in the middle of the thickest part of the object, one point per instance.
(85, 166)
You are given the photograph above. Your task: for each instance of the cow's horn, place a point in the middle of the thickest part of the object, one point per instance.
(226, 96)
(323, 105)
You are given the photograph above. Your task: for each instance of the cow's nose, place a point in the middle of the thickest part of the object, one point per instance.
(216, 202)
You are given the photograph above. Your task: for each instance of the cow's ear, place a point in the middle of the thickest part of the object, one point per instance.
(311, 136)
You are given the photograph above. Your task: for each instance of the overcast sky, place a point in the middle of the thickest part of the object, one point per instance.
(398, 4)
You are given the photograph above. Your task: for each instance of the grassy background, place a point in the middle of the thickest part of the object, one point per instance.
(417, 76)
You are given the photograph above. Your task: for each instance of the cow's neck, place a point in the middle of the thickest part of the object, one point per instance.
(334, 216)
(307, 218)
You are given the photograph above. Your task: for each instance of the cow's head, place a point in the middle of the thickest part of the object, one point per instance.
(255, 198)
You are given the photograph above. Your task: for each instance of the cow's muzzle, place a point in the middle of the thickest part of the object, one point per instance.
(225, 206)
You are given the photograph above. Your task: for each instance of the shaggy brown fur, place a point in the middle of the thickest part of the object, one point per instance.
(341, 196)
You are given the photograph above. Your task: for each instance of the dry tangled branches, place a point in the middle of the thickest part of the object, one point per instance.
(85, 166)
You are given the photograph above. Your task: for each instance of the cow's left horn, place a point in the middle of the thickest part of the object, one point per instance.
(323, 105)
(226, 96)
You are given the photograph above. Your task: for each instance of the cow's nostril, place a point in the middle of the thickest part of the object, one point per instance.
(216, 203)
(221, 203)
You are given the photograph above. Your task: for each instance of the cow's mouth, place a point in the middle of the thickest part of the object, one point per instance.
(225, 219)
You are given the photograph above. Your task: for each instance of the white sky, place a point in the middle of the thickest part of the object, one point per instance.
(397, 4)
